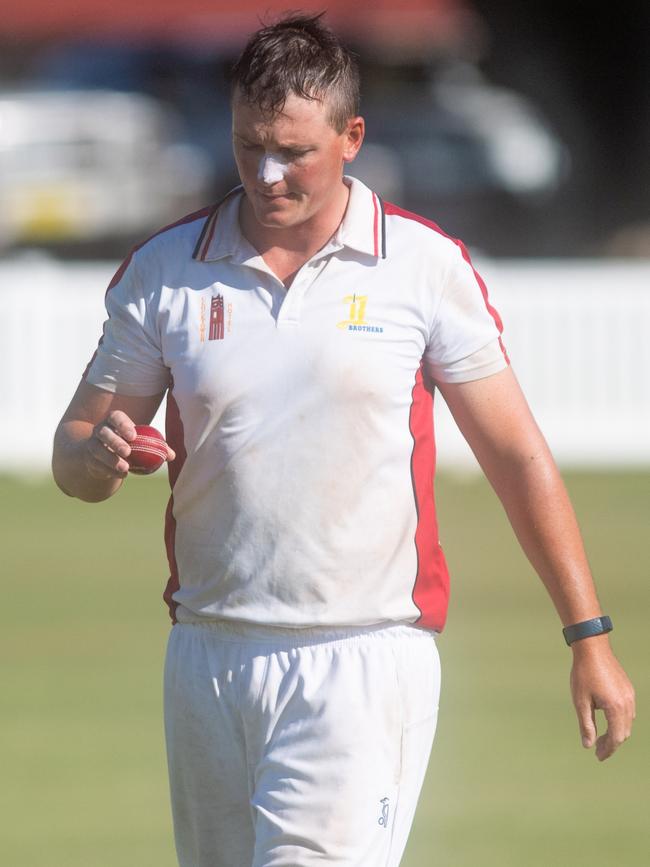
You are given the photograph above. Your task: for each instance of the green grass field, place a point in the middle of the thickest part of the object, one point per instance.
(82, 635)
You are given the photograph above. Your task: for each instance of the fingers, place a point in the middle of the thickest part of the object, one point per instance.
(108, 447)
(619, 728)
(619, 717)
(598, 682)
(121, 424)
(587, 724)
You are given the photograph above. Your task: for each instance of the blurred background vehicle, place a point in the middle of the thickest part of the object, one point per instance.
(441, 140)
(90, 170)
(479, 160)
(525, 131)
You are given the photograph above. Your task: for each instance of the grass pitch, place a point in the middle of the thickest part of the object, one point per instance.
(82, 635)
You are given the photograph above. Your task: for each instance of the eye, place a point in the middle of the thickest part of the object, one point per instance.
(293, 154)
(243, 144)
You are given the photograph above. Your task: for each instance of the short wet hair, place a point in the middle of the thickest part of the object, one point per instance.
(298, 55)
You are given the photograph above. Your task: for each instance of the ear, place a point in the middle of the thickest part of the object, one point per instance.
(354, 133)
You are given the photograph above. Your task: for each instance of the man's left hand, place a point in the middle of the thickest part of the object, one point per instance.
(598, 682)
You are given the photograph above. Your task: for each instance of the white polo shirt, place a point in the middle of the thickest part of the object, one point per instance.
(302, 493)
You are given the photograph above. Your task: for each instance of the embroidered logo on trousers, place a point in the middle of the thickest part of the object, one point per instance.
(383, 819)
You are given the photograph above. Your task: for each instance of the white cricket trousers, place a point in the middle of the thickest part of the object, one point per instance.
(293, 748)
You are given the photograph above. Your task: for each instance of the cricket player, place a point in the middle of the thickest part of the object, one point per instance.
(299, 329)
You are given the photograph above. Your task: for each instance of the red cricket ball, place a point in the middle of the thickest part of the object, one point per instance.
(148, 451)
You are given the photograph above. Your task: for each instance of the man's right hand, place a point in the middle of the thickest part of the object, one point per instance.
(108, 447)
(91, 443)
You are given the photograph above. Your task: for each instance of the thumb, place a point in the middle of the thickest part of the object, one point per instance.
(587, 724)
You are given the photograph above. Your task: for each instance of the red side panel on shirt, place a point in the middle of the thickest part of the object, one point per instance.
(176, 439)
(431, 589)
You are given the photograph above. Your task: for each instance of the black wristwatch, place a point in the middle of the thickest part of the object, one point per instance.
(595, 626)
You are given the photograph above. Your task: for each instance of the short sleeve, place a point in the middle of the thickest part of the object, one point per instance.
(128, 359)
(465, 341)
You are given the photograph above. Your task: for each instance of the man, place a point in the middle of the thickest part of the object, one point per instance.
(299, 328)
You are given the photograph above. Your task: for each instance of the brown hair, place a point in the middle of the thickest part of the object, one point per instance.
(298, 55)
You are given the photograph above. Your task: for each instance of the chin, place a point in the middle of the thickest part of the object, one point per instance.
(272, 220)
(277, 219)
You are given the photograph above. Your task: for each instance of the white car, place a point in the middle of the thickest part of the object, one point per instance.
(83, 166)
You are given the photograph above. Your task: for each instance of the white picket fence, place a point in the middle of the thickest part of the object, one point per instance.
(578, 334)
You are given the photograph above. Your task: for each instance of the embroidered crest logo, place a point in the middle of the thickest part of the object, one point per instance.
(216, 322)
(356, 321)
(216, 318)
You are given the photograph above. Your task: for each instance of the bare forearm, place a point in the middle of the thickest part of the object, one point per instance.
(70, 466)
(499, 427)
(497, 423)
(540, 512)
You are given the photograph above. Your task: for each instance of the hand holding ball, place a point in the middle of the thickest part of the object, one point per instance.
(148, 451)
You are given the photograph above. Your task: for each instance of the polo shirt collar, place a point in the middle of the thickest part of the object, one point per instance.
(363, 225)
(362, 228)
(221, 236)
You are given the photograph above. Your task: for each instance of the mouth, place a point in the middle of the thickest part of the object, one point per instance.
(273, 197)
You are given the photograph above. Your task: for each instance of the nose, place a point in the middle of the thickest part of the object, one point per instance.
(271, 169)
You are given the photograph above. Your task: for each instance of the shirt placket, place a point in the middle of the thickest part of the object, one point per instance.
(291, 308)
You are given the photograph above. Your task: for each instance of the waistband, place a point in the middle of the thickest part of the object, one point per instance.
(237, 630)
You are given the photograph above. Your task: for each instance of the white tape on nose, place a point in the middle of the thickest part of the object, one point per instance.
(271, 169)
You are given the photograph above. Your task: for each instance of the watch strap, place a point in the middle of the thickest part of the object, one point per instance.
(587, 628)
